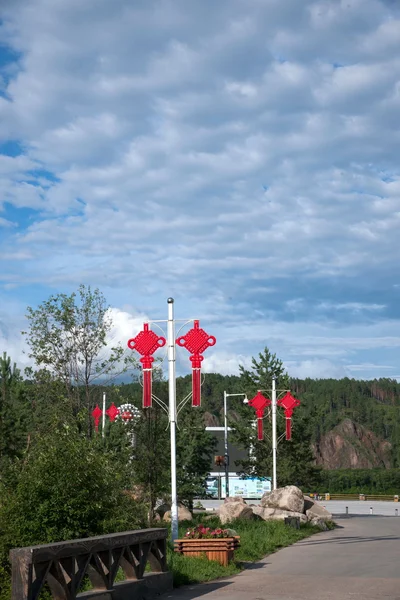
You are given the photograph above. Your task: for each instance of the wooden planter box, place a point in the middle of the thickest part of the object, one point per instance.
(219, 549)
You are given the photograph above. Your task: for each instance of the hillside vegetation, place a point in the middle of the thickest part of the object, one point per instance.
(364, 414)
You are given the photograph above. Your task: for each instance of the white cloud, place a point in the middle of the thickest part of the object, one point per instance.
(224, 363)
(238, 155)
(315, 369)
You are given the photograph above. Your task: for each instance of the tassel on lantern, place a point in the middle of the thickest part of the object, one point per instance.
(260, 428)
(288, 428)
(147, 382)
(196, 387)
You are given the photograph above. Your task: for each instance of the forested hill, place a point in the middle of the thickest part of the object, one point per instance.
(362, 418)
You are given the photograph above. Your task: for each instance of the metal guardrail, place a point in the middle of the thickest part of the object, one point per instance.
(372, 497)
(64, 566)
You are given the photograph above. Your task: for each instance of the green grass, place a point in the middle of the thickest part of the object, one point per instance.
(257, 539)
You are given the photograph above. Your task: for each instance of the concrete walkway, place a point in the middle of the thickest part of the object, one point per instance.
(360, 559)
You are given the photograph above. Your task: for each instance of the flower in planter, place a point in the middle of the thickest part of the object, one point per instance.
(201, 532)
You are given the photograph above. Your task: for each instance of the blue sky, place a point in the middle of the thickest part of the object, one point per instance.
(239, 155)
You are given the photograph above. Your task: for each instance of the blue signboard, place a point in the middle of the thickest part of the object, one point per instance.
(246, 488)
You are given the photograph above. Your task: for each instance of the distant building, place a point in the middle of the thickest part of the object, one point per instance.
(250, 488)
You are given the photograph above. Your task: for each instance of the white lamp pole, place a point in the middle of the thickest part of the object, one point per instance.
(226, 448)
(172, 415)
(103, 423)
(274, 441)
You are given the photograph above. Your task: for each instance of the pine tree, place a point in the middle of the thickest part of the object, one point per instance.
(295, 464)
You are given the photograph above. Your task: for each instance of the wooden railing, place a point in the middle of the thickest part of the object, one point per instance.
(64, 566)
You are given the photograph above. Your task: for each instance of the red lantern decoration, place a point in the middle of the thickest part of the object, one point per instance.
(289, 403)
(196, 341)
(260, 403)
(127, 412)
(112, 412)
(146, 343)
(96, 414)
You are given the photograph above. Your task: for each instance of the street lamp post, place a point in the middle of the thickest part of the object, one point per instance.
(226, 439)
(146, 343)
(172, 414)
(274, 440)
(260, 403)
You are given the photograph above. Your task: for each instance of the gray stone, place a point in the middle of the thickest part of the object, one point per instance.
(184, 514)
(287, 498)
(321, 523)
(161, 509)
(318, 511)
(277, 514)
(234, 508)
(292, 522)
(230, 499)
(308, 503)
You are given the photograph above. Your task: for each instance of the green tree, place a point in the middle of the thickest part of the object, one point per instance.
(9, 375)
(295, 464)
(66, 487)
(195, 448)
(67, 336)
(11, 408)
(150, 458)
(259, 376)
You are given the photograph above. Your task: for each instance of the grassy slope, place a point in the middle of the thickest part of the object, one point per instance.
(257, 539)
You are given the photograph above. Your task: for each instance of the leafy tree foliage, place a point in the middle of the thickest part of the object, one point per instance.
(295, 458)
(195, 448)
(12, 399)
(259, 376)
(66, 487)
(68, 337)
(361, 481)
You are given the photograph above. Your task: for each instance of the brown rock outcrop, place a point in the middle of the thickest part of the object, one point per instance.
(352, 446)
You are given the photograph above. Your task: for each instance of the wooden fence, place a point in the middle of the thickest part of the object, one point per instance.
(65, 566)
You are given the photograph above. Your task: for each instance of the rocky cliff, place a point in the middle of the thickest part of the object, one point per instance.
(352, 446)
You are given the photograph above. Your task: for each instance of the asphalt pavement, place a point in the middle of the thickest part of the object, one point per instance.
(359, 559)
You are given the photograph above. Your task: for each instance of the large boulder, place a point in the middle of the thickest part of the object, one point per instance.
(161, 509)
(267, 513)
(320, 523)
(317, 511)
(234, 508)
(308, 503)
(287, 498)
(184, 514)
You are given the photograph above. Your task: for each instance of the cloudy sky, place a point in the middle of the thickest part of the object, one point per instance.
(241, 156)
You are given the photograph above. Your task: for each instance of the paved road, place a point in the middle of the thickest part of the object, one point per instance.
(338, 507)
(359, 560)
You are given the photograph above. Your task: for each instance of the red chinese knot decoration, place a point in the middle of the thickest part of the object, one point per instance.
(96, 414)
(260, 403)
(288, 403)
(112, 412)
(146, 343)
(196, 341)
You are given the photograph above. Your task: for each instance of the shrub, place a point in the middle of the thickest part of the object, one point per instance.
(67, 487)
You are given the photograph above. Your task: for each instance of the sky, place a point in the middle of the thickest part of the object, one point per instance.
(240, 156)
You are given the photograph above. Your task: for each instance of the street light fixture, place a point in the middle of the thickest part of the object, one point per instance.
(226, 396)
